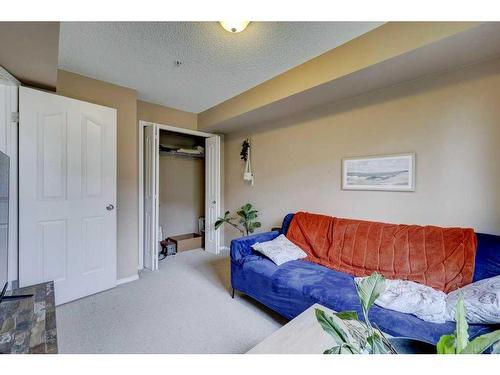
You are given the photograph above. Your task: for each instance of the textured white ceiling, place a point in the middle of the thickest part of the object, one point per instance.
(216, 65)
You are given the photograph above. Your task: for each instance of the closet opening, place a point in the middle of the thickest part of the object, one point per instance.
(180, 192)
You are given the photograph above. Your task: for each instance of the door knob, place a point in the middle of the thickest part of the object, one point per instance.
(213, 202)
(110, 207)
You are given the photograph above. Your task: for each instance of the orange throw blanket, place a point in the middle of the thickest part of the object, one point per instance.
(442, 258)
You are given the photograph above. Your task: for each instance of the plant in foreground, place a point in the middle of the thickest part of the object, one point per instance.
(355, 337)
(352, 335)
(246, 220)
(458, 342)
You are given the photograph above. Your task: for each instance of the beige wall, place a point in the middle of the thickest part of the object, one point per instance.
(164, 115)
(29, 51)
(182, 192)
(451, 121)
(385, 42)
(125, 101)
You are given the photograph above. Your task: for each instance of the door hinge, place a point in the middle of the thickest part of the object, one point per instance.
(14, 117)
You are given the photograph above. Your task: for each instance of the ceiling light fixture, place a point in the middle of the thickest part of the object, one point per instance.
(234, 26)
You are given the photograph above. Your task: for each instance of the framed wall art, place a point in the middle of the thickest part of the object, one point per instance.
(381, 172)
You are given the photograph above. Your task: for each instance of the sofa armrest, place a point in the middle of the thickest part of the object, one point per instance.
(242, 247)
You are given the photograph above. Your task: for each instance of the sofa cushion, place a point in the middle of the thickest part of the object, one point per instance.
(409, 297)
(481, 300)
(442, 258)
(280, 250)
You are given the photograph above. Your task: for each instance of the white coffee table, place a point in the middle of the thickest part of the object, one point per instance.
(302, 335)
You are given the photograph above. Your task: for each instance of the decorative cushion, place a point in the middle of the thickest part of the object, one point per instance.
(280, 250)
(413, 298)
(481, 300)
(442, 258)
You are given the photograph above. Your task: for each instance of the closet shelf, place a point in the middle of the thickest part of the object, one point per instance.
(181, 154)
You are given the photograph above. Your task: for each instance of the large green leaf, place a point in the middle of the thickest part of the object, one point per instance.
(496, 348)
(349, 349)
(377, 344)
(348, 315)
(446, 345)
(221, 220)
(481, 343)
(251, 216)
(369, 288)
(253, 226)
(329, 326)
(334, 350)
(462, 334)
(335, 327)
(218, 223)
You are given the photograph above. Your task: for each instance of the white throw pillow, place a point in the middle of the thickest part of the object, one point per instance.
(280, 250)
(481, 300)
(413, 298)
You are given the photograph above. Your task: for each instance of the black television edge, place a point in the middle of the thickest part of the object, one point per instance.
(4, 229)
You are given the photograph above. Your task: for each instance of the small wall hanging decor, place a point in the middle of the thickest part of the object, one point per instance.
(245, 146)
(245, 156)
(383, 172)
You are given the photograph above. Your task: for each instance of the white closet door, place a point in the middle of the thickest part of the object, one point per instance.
(151, 185)
(212, 193)
(67, 194)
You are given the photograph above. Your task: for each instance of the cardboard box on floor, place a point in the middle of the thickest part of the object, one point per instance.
(188, 241)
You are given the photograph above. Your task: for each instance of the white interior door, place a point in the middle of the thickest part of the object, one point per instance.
(151, 185)
(212, 193)
(67, 194)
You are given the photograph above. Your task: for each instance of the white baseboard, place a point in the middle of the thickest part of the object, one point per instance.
(224, 248)
(127, 279)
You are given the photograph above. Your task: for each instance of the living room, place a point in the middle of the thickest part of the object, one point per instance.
(328, 186)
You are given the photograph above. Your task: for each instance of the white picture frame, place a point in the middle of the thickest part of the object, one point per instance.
(379, 172)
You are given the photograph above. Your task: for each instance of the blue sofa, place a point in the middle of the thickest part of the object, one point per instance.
(295, 286)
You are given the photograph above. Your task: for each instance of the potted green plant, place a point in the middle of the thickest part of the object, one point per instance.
(245, 221)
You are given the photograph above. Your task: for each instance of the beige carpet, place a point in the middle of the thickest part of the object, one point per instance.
(185, 307)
